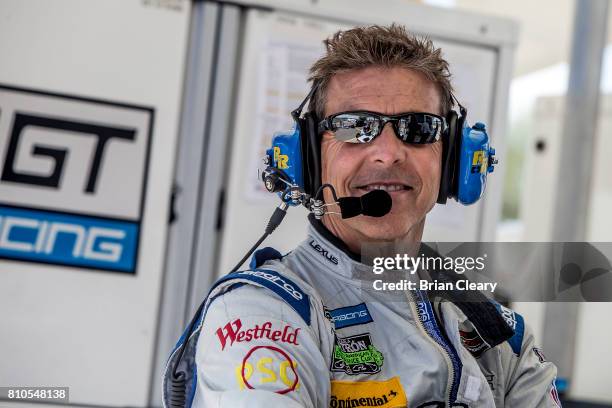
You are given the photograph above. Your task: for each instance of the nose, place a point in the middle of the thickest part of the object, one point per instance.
(387, 149)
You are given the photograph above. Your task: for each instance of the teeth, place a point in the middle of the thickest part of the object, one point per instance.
(393, 187)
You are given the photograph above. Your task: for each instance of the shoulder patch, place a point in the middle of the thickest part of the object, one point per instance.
(284, 287)
(517, 324)
(182, 359)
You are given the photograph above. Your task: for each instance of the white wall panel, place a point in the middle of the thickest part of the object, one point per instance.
(93, 331)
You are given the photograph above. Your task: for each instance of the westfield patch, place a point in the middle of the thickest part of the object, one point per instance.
(234, 332)
(387, 394)
(356, 355)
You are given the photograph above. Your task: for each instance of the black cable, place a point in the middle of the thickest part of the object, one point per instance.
(320, 190)
(178, 380)
(275, 220)
(248, 254)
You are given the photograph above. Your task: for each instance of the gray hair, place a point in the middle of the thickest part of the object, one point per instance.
(386, 46)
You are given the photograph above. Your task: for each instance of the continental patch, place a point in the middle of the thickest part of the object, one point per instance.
(387, 394)
(356, 355)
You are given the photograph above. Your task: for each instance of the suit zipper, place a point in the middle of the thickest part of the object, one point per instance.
(451, 383)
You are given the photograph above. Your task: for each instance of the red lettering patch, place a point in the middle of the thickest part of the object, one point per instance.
(233, 332)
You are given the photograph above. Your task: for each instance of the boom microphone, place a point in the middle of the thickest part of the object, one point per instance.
(376, 203)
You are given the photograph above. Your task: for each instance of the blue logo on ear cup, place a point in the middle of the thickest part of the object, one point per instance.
(286, 156)
(475, 162)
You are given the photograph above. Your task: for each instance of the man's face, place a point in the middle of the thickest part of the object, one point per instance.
(410, 173)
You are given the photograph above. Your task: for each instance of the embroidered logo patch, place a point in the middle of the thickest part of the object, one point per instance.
(349, 316)
(269, 368)
(234, 332)
(387, 394)
(356, 355)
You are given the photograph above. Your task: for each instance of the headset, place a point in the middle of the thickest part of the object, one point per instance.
(294, 160)
(294, 172)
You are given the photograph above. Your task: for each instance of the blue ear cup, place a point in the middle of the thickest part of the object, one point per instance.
(476, 160)
(293, 161)
(467, 158)
(285, 165)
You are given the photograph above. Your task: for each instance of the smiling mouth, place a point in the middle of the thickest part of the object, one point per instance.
(386, 187)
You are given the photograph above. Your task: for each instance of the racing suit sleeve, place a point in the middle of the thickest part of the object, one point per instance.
(254, 350)
(531, 378)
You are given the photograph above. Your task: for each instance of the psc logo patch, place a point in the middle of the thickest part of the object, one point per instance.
(73, 175)
(387, 394)
(270, 368)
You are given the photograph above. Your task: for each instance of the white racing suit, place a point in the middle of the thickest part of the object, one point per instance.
(300, 331)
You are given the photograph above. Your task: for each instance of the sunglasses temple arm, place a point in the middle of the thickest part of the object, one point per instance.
(323, 126)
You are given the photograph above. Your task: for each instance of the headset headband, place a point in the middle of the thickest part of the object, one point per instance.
(298, 111)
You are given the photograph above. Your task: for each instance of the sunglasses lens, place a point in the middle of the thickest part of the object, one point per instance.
(361, 127)
(354, 128)
(420, 128)
(431, 128)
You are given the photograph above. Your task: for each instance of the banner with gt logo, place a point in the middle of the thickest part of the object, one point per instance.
(73, 175)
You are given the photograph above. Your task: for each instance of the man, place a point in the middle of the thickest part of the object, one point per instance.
(320, 337)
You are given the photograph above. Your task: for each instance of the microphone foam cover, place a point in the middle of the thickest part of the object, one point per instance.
(376, 203)
(349, 206)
